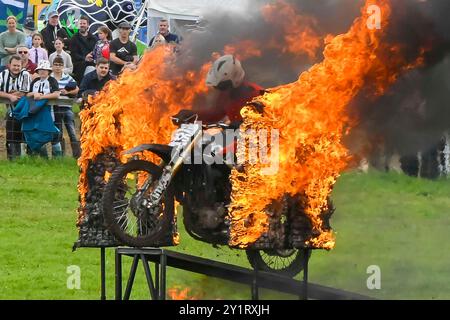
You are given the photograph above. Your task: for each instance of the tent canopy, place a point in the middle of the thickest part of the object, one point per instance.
(190, 9)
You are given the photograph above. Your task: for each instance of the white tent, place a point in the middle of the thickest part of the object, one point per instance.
(190, 10)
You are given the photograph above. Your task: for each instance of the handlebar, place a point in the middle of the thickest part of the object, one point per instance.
(221, 125)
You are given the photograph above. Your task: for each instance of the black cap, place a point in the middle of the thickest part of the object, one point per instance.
(29, 24)
(124, 25)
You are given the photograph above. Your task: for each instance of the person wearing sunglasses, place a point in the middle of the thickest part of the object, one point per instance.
(27, 64)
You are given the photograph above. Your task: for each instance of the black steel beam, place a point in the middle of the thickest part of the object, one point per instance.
(238, 274)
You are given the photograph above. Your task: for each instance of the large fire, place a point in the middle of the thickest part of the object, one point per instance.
(310, 114)
(136, 109)
(311, 117)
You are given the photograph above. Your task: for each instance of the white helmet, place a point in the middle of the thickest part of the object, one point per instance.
(225, 71)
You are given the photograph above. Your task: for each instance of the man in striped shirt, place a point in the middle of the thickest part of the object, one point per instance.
(14, 83)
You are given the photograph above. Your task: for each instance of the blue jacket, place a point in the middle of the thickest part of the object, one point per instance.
(37, 122)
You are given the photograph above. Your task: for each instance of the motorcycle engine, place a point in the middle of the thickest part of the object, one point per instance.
(211, 217)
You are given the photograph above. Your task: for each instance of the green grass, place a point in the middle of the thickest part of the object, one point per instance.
(2, 111)
(390, 220)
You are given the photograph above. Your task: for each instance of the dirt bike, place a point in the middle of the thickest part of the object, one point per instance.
(138, 199)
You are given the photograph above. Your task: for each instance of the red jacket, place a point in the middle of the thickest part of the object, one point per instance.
(31, 66)
(230, 102)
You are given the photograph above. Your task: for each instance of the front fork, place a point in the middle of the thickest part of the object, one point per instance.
(179, 154)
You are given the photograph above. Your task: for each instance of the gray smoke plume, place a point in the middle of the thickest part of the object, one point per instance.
(415, 112)
(273, 67)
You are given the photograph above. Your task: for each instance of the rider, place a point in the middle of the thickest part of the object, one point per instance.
(227, 76)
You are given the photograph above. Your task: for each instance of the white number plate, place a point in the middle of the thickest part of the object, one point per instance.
(182, 136)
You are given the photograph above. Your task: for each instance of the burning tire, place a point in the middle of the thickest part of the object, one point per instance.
(125, 204)
(288, 262)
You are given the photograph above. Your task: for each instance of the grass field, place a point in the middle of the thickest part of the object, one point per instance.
(395, 222)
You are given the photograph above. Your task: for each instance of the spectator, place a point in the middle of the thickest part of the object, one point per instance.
(10, 39)
(59, 45)
(27, 64)
(28, 30)
(14, 83)
(52, 31)
(46, 87)
(158, 41)
(63, 113)
(101, 48)
(94, 81)
(164, 31)
(37, 51)
(81, 46)
(123, 52)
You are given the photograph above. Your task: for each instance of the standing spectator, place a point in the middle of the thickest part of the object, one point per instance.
(10, 39)
(94, 81)
(81, 46)
(123, 52)
(63, 113)
(28, 29)
(102, 46)
(14, 83)
(52, 31)
(59, 45)
(27, 64)
(46, 87)
(37, 52)
(163, 27)
(158, 41)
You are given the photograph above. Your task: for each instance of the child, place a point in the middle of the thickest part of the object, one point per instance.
(64, 113)
(59, 45)
(46, 87)
(37, 51)
(101, 48)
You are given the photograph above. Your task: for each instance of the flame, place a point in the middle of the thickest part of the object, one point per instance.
(176, 293)
(311, 117)
(299, 36)
(136, 109)
(296, 36)
(244, 49)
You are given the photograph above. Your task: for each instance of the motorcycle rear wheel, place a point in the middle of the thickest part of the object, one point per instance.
(289, 262)
(124, 205)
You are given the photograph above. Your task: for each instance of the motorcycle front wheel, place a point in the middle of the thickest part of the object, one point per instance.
(287, 262)
(126, 208)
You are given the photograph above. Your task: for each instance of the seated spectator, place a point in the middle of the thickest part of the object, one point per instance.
(27, 64)
(63, 113)
(94, 81)
(46, 87)
(38, 52)
(163, 27)
(14, 83)
(10, 39)
(59, 45)
(101, 48)
(123, 52)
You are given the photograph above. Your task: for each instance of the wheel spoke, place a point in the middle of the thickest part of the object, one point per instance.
(131, 187)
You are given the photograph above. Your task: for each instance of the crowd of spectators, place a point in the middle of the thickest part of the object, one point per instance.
(48, 65)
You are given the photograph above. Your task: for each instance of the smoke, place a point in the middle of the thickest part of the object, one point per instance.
(274, 66)
(414, 113)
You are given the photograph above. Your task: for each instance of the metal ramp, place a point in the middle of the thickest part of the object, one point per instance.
(255, 279)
